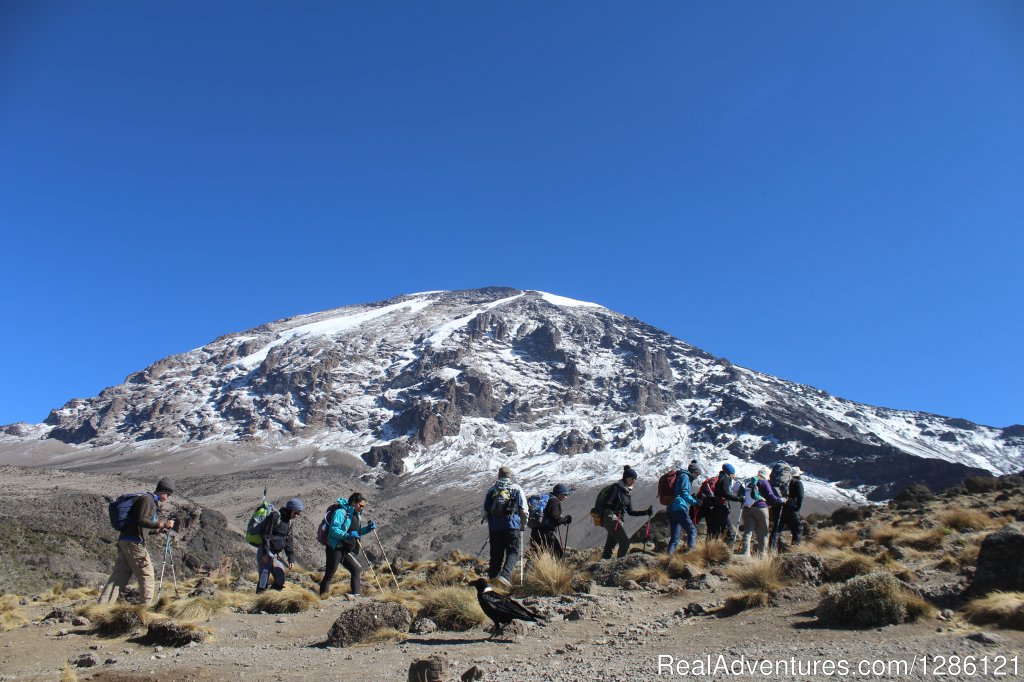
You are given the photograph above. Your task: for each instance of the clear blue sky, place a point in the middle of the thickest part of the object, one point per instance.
(829, 192)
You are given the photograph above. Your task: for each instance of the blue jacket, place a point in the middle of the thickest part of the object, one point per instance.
(344, 521)
(499, 520)
(684, 498)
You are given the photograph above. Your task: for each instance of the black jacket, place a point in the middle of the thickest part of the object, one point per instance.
(142, 515)
(723, 491)
(795, 499)
(620, 500)
(553, 514)
(277, 535)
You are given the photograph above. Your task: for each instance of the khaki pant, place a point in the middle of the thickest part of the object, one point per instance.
(132, 559)
(755, 519)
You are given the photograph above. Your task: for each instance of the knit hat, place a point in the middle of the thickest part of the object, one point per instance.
(728, 468)
(762, 473)
(797, 472)
(694, 469)
(504, 472)
(165, 485)
(294, 504)
(560, 489)
(628, 472)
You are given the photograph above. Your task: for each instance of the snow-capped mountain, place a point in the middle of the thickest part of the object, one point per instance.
(458, 382)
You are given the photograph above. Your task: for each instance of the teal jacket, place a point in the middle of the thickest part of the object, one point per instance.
(683, 499)
(343, 522)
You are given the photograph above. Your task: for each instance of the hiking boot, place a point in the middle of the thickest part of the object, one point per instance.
(504, 581)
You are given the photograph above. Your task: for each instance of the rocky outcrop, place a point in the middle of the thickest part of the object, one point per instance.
(999, 564)
(354, 625)
(388, 457)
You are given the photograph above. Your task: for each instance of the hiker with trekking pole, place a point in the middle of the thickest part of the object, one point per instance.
(682, 500)
(545, 518)
(505, 512)
(339, 532)
(276, 537)
(613, 503)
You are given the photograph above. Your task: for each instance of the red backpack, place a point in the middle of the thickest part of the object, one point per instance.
(667, 487)
(707, 488)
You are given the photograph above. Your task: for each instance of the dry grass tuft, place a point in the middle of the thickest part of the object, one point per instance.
(11, 615)
(754, 599)
(384, 636)
(870, 600)
(443, 573)
(117, 619)
(457, 556)
(840, 566)
(922, 539)
(834, 538)
(407, 599)
(678, 565)
(288, 600)
(916, 607)
(68, 674)
(961, 519)
(1004, 608)
(651, 574)
(452, 608)
(59, 593)
(192, 609)
(758, 575)
(715, 553)
(548, 575)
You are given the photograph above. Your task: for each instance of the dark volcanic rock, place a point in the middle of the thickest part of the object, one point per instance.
(362, 620)
(389, 457)
(803, 568)
(429, 669)
(999, 564)
(169, 633)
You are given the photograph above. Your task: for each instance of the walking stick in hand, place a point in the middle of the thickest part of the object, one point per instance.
(381, 544)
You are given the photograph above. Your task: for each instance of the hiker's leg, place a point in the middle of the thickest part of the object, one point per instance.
(675, 527)
(263, 569)
(333, 558)
(119, 577)
(279, 570)
(142, 568)
(512, 550)
(760, 517)
(747, 521)
(795, 525)
(497, 554)
(355, 570)
(609, 523)
(623, 541)
(691, 531)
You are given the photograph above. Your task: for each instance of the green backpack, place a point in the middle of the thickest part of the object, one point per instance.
(258, 523)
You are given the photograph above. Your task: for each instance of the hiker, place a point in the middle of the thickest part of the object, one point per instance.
(619, 501)
(789, 516)
(343, 533)
(505, 513)
(757, 495)
(132, 555)
(720, 521)
(276, 538)
(545, 535)
(679, 518)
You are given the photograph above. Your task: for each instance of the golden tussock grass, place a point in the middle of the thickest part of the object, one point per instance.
(11, 615)
(917, 608)
(714, 553)
(444, 574)
(407, 599)
(59, 593)
(677, 565)
(915, 538)
(192, 609)
(841, 565)
(383, 636)
(652, 574)
(117, 619)
(288, 600)
(758, 575)
(834, 538)
(547, 575)
(68, 674)
(961, 519)
(457, 556)
(1003, 608)
(753, 599)
(452, 608)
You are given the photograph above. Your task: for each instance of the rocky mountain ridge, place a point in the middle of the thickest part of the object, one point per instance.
(454, 383)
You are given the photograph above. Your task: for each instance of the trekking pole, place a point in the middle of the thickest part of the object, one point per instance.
(647, 533)
(482, 548)
(168, 556)
(369, 564)
(522, 556)
(386, 561)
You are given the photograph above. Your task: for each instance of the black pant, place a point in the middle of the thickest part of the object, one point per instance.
(349, 561)
(788, 518)
(720, 524)
(546, 539)
(505, 550)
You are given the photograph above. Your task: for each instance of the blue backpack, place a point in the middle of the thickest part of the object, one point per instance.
(536, 503)
(120, 508)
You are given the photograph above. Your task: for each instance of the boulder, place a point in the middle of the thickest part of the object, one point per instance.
(808, 569)
(999, 566)
(358, 622)
(428, 669)
(423, 626)
(611, 572)
(169, 633)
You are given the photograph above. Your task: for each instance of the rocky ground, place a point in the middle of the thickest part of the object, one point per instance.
(642, 617)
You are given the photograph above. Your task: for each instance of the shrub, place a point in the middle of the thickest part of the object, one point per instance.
(868, 601)
(841, 566)
(679, 565)
(981, 484)
(10, 615)
(443, 573)
(384, 636)
(651, 574)
(753, 599)
(452, 608)
(548, 575)
(68, 674)
(1004, 608)
(192, 609)
(834, 538)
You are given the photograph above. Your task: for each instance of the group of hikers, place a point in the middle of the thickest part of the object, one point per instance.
(770, 504)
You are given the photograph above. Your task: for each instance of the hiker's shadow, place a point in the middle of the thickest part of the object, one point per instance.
(439, 641)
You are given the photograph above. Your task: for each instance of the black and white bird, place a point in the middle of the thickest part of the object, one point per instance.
(500, 608)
